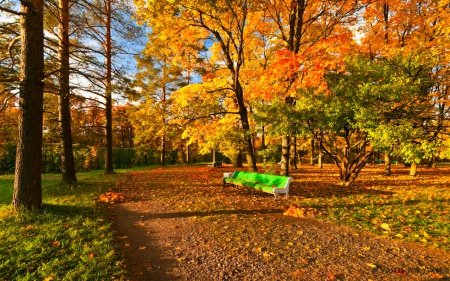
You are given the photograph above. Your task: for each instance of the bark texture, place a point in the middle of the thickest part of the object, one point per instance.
(27, 179)
(67, 158)
(108, 95)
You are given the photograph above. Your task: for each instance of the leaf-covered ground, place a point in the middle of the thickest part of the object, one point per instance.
(180, 223)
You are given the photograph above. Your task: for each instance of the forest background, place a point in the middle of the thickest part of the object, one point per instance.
(257, 81)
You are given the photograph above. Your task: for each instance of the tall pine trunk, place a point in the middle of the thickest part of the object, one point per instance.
(27, 177)
(108, 95)
(67, 159)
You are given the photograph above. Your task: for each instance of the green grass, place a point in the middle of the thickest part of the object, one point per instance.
(413, 209)
(68, 240)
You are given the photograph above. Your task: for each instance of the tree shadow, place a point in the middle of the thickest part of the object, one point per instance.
(213, 213)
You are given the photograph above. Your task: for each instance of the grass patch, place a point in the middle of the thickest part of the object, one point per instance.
(414, 209)
(68, 240)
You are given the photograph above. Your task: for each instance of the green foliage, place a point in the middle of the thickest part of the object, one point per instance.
(271, 156)
(123, 157)
(8, 158)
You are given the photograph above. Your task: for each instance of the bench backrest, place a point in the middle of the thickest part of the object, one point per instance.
(265, 179)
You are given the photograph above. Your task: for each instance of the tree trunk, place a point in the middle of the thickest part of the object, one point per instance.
(238, 160)
(284, 171)
(312, 152)
(251, 157)
(263, 139)
(163, 150)
(27, 176)
(293, 162)
(413, 170)
(188, 154)
(67, 159)
(434, 161)
(387, 161)
(319, 160)
(108, 95)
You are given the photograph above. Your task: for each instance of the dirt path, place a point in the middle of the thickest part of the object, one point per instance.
(178, 224)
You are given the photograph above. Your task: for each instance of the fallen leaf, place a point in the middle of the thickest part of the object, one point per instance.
(385, 226)
(142, 248)
(400, 272)
(371, 265)
(436, 276)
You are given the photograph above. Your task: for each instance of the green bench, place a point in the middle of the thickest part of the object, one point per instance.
(266, 183)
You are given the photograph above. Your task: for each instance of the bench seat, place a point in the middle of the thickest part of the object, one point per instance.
(272, 184)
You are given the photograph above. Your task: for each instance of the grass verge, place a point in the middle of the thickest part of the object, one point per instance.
(68, 240)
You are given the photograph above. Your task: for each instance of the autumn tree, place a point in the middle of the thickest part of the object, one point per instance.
(226, 25)
(299, 26)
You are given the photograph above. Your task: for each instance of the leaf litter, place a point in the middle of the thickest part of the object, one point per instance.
(228, 233)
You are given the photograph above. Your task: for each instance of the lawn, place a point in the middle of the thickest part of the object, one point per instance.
(68, 240)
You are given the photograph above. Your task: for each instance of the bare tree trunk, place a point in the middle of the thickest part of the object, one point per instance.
(108, 95)
(312, 152)
(27, 176)
(67, 159)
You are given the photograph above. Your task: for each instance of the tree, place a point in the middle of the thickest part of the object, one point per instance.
(67, 158)
(300, 26)
(226, 24)
(27, 179)
(365, 103)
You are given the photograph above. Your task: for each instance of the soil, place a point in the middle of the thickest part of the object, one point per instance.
(164, 236)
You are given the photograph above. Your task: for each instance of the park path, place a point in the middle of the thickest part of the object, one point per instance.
(165, 235)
